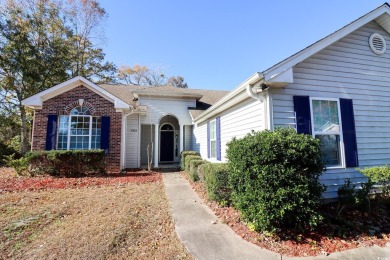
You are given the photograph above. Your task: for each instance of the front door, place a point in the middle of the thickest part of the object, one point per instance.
(166, 146)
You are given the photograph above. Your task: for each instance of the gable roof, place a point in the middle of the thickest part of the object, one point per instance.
(280, 75)
(36, 100)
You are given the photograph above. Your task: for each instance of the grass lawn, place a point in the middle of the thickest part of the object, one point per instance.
(109, 220)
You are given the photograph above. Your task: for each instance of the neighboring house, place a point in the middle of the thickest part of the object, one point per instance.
(337, 90)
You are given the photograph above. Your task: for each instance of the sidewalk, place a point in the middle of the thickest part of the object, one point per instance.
(206, 238)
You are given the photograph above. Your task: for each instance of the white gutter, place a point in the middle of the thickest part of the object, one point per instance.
(124, 126)
(229, 99)
(262, 99)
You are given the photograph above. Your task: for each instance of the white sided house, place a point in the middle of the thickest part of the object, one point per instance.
(337, 90)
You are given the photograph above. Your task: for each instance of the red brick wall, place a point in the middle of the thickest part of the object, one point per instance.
(103, 107)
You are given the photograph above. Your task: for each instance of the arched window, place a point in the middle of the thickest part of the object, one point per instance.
(167, 127)
(79, 130)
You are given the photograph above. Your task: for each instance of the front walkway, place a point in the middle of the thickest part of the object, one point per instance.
(206, 238)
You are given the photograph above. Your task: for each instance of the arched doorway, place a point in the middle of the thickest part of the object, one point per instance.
(167, 143)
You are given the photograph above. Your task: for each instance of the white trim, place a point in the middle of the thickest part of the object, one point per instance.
(36, 100)
(340, 132)
(215, 140)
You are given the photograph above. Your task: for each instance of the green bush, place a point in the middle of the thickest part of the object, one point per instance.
(274, 177)
(183, 156)
(349, 195)
(194, 164)
(188, 160)
(5, 152)
(201, 171)
(19, 164)
(61, 163)
(217, 182)
(380, 175)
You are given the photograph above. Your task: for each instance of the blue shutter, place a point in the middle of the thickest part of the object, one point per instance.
(302, 113)
(208, 139)
(349, 133)
(51, 132)
(218, 143)
(105, 134)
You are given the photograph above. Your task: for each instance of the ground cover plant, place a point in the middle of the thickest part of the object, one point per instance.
(121, 217)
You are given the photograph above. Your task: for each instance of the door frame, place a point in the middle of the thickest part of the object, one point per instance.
(173, 143)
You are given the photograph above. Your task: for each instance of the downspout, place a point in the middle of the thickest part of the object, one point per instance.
(262, 99)
(124, 130)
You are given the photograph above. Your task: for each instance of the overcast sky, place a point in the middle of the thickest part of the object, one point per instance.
(217, 44)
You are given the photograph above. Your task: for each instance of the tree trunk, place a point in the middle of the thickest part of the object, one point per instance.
(23, 134)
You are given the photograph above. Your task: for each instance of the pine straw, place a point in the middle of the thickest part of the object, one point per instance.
(122, 221)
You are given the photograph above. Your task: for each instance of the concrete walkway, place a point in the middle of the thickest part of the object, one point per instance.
(206, 238)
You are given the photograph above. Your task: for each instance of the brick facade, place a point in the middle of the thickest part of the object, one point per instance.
(57, 105)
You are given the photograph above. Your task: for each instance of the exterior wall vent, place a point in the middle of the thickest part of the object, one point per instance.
(377, 43)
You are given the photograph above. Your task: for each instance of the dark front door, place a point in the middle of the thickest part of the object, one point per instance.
(166, 146)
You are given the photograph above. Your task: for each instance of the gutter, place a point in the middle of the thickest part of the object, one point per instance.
(124, 126)
(225, 102)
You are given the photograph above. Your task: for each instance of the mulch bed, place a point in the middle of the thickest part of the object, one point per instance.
(11, 183)
(356, 229)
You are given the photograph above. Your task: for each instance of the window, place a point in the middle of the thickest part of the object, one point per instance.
(327, 128)
(213, 139)
(79, 130)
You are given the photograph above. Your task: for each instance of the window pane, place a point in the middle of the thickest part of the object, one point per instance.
(325, 116)
(213, 152)
(212, 130)
(330, 149)
(62, 140)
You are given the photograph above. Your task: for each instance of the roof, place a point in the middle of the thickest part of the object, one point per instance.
(36, 100)
(205, 98)
(280, 75)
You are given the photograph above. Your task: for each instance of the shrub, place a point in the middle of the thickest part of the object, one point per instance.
(194, 164)
(274, 177)
(19, 164)
(67, 163)
(60, 163)
(380, 175)
(5, 152)
(348, 195)
(217, 182)
(183, 156)
(188, 160)
(201, 171)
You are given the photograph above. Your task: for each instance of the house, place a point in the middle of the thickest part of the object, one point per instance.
(337, 90)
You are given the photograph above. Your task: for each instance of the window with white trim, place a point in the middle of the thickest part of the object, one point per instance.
(213, 139)
(326, 126)
(79, 130)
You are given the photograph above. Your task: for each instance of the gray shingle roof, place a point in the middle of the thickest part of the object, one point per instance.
(205, 98)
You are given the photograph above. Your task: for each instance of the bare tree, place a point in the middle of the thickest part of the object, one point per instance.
(177, 81)
(141, 75)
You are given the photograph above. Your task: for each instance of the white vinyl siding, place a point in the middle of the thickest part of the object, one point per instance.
(240, 120)
(237, 122)
(188, 137)
(159, 107)
(346, 69)
(147, 137)
(132, 142)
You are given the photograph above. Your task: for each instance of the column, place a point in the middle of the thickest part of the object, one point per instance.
(181, 138)
(156, 145)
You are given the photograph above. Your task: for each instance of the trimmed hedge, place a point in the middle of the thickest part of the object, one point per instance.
(201, 171)
(380, 175)
(183, 156)
(216, 180)
(188, 160)
(67, 163)
(61, 163)
(274, 177)
(194, 164)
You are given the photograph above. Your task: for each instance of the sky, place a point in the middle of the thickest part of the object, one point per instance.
(217, 44)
